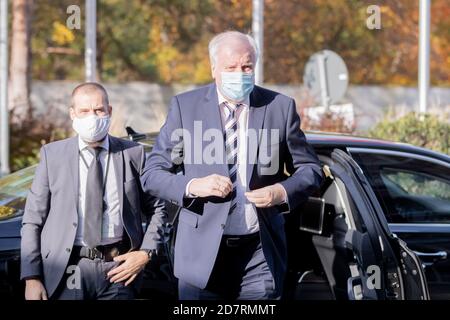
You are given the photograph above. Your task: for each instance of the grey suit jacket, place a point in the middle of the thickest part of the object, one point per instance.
(202, 221)
(50, 220)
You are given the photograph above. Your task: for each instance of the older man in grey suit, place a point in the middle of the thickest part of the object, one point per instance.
(234, 143)
(82, 235)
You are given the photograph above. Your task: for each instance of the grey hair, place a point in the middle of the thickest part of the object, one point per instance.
(217, 40)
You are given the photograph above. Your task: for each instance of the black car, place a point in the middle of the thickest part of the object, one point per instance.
(379, 228)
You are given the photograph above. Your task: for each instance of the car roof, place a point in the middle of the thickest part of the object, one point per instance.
(328, 140)
(339, 140)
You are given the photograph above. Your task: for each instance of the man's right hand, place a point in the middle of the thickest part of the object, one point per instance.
(212, 185)
(35, 290)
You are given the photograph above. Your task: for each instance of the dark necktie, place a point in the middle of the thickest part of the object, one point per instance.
(94, 201)
(231, 147)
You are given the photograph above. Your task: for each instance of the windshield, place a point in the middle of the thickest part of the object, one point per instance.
(13, 192)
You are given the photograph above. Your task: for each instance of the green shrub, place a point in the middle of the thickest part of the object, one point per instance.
(426, 131)
(27, 139)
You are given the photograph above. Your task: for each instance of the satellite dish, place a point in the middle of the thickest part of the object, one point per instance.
(326, 77)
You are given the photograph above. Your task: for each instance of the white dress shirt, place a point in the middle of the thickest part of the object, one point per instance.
(112, 227)
(244, 219)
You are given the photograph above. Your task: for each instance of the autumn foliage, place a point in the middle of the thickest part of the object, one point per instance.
(165, 41)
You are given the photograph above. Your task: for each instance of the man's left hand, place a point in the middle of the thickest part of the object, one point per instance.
(268, 196)
(132, 264)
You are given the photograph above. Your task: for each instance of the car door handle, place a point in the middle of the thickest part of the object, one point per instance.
(354, 288)
(428, 258)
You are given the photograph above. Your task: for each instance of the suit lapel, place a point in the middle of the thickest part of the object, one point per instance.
(256, 114)
(213, 120)
(116, 155)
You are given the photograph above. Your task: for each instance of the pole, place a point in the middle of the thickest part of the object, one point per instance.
(4, 114)
(258, 33)
(324, 93)
(91, 41)
(424, 54)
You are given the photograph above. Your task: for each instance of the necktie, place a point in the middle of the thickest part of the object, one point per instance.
(94, 201)
(231, 147)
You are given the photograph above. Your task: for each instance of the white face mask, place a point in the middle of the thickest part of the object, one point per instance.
(91, 128)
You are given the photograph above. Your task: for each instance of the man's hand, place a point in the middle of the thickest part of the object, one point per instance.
(35, 290)
(132, 264)
(212, 185)
(268, 196)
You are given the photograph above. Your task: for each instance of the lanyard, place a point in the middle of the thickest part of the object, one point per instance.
(106, 171)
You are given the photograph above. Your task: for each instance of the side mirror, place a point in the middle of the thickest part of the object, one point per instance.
(133, 135)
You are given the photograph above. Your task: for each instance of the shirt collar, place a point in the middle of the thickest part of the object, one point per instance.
(83, 145)
(222, 99)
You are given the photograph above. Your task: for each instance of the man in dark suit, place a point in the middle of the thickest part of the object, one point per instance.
(234, 143)
(82, 235)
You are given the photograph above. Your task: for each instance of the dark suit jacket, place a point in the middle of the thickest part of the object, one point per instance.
(202, 221)
(50, 220)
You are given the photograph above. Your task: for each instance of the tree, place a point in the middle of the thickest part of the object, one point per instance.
(20, 63)
(165, 41)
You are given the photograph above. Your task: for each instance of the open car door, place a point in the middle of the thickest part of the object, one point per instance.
(376, 250)
(360, 257)
(414, 193)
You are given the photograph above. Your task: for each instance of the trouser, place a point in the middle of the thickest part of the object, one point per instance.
(86, 279)
(240, 272)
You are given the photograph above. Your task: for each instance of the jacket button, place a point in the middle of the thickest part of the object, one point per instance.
(68, 249)
(223, 226)
(75, 224)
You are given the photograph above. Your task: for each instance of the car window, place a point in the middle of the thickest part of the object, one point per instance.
(409, 190)
(13, 191)
(415, 184)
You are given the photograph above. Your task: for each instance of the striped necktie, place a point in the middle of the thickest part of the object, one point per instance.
(231, 147)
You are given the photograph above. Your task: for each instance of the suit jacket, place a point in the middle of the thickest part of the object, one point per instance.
(50, 220)
(202, 220)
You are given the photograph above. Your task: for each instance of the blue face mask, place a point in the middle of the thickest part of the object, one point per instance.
(237, 86)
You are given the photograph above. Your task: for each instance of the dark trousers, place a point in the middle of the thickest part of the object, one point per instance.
(240, 272)
(85, 279)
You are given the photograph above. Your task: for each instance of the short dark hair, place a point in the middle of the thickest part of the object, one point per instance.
(89, 87)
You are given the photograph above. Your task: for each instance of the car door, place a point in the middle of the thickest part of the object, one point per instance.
(414, 193)
(372, 243)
